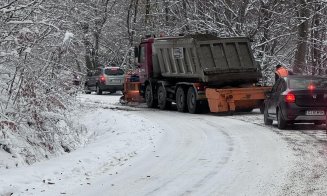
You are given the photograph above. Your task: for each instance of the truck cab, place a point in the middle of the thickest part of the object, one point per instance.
(144, 54)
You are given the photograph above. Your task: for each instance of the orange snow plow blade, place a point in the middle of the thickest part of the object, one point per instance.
(236, 99)
(131, 92)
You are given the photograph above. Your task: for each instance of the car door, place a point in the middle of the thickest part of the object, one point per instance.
(281, 87)
(272, 99)
(276, 95)
(93, 79)
(89, 78)
(97, 76)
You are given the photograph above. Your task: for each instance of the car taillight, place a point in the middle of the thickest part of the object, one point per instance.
(290, 98)
(102, 79)
(311, 87)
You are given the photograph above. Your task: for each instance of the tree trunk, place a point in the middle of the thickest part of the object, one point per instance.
(86, 43)
(316, 38)
(128, 22)
(186, 29)
(303, 31)
(166, 4)
(241, 16)
(147, 13)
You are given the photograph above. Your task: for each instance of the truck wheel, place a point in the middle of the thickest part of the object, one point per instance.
(281, 121)
(180, 99)
(99, 91)
(162, 98)
(149, 99)
(192, 103)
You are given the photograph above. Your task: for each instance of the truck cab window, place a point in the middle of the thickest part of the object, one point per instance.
(142, 54)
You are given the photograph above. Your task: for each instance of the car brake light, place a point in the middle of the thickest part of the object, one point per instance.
(290, 98)
(102, 79)
(311, 87)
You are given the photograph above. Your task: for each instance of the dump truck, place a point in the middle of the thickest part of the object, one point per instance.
(197, 71)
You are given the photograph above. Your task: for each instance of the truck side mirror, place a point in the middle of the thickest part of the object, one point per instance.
(136, 52)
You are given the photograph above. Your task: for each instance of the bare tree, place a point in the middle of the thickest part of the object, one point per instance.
(303, 32)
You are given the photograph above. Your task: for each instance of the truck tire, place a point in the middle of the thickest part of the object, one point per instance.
(162, 98)
(180, 99)
(192, 103)
(99, 91)
(149, 99)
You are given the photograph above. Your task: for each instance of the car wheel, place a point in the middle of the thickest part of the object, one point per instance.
(86, 89)
(180, 99)
(162, 98)
(99, 91)
(192, 103)
(262, 108)
(281, 121)
(149, 99)
(267, 121)
(112, 92)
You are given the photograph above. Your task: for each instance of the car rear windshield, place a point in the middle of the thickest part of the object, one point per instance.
(305, 83)
(113, 72)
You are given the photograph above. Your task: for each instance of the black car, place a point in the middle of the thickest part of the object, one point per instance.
(297, 99)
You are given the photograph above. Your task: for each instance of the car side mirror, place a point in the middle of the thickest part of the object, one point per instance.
(136, 52)
(137, 65)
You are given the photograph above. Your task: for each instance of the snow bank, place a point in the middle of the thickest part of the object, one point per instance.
(114, 136)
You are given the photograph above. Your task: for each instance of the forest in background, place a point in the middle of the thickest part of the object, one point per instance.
(44, 44)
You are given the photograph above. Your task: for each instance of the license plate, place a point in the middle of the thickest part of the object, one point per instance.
(314, 113)
(116, 81)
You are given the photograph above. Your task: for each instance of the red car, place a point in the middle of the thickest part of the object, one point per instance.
(297, 99)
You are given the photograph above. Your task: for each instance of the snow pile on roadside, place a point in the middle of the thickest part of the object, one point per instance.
(115, 136)
(25, 145)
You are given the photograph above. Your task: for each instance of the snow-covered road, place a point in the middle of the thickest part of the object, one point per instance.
(202, 155)
(141, 151)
